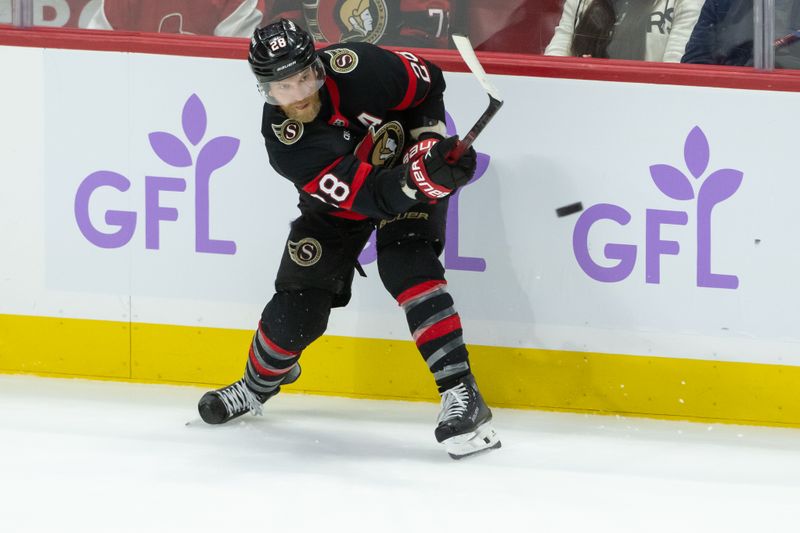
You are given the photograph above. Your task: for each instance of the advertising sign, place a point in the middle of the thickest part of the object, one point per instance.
(158, 194)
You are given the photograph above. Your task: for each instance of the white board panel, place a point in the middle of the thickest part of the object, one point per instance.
(170, 149)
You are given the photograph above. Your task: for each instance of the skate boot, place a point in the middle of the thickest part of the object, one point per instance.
(464, 424)
(225, 404)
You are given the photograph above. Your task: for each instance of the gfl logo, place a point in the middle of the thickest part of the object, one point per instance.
(215, 154)
(717, 187)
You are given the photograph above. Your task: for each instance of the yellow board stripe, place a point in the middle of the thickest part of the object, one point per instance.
(377, 368)
(89, 348)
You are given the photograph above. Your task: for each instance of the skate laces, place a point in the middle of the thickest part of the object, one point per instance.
(238, 398)
(454, 403)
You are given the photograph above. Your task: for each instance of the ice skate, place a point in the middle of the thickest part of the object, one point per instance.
(465, 422)
(225, 404)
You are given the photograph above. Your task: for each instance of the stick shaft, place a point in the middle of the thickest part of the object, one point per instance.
(464, 144)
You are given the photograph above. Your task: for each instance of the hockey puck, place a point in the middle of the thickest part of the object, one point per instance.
(569, 209)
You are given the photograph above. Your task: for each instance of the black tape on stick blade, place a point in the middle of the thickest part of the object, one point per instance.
(569, 209)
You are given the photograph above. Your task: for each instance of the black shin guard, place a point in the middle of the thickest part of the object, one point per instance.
(294, 319)
(412, 273)
(291, 321)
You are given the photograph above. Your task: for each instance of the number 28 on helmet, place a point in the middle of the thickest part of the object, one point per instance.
(285, 63)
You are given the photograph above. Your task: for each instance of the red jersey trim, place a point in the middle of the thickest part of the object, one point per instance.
(337, 119)
(510, 64)
(349, 215)
(411, 90)
(313, 186)
(358, 181)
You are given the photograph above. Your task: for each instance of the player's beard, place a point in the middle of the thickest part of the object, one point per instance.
(305, 110)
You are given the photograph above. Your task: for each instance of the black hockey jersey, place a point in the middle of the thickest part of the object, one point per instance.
(370, 95)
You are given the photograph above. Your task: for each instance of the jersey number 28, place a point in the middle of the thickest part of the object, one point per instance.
(334, 188)
(420, 70)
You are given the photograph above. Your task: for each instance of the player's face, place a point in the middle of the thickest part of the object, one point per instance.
(298, 95)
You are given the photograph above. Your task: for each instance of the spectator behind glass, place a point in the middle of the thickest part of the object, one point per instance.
(416, 23)
(228, 18)
(515, 26)
(724, 34)
(652, 30)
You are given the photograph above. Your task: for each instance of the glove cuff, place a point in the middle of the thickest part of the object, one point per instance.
(430, 135)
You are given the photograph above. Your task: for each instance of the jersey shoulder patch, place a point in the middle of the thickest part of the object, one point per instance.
(342, 60)
(289, 131)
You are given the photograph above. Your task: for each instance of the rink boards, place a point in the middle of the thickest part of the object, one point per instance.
(142, 227)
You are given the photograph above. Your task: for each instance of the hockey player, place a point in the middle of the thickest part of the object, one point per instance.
(359, 131)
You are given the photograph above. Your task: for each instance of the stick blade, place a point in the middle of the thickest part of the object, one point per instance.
(467, 52)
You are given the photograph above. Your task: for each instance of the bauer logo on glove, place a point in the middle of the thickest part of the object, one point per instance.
(424, 183)
(434, 177)
(419, 150)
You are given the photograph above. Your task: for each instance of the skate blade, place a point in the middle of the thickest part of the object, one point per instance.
(200, 423)
(483, 439)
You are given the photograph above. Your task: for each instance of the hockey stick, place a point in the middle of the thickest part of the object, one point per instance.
(787, 39)
(495, 100)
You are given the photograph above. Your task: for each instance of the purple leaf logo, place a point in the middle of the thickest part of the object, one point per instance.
(672, 182)
(696, 152)
(721, 184)
(218, 152)
(194, 119)
(170, 149)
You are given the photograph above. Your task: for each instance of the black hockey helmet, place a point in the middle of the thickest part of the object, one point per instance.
(280, 50)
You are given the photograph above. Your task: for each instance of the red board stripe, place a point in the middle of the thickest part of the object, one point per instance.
(449, 60)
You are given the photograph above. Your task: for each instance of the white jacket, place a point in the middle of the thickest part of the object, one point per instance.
(666, 41)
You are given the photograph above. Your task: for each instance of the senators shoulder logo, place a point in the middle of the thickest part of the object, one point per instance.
(289, 131)
(343, 60)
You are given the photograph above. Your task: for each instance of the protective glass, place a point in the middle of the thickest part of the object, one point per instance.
(295, 87)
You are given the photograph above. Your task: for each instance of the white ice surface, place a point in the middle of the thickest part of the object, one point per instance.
(107, 457)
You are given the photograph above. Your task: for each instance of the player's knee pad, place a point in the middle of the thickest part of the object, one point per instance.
(406, 263)
(294, 319)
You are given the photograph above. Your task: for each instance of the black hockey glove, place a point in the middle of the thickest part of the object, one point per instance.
(433, 178)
